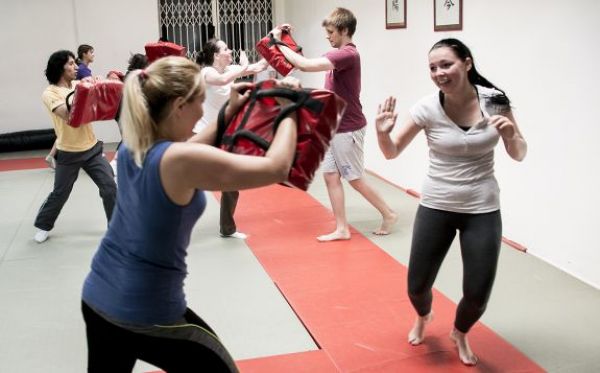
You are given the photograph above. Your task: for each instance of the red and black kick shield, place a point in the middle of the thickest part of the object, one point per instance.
(154, 51)
(93, 101)
(268, 47)
(251, 130)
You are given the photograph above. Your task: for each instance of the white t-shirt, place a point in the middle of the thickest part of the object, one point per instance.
(461, 163)
(216, 96)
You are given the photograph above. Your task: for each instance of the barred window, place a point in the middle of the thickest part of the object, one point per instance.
(239, 23)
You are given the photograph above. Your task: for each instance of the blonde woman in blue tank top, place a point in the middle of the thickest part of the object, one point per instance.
(463, 122)
(133, 301)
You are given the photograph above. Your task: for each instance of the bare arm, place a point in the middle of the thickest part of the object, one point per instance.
(514, 143)
(213, 77)
(257, 67)
(306, 64)
(62, 112)
(188, 166)
(392, 145)
(208, 135)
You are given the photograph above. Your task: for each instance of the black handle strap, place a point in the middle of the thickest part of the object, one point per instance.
(299, 99)
(67, 100)
(273, 41)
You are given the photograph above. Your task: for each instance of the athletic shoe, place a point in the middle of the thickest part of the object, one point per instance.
(240, 235)
(41, 236)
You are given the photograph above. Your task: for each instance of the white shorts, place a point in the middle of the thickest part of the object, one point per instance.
(345, 155)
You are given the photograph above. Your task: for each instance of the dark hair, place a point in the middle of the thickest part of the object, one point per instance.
(341, 19)
(137, 61)
(81, 50)
(207, 56)
(463, 52)
(56, 65)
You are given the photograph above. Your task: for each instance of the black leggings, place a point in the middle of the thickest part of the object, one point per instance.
(191, 347)
(480, 237)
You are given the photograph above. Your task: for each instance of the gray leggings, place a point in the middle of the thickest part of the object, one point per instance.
(480, 237)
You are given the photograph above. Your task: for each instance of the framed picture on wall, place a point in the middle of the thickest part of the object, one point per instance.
(447, 15)
(395, 14)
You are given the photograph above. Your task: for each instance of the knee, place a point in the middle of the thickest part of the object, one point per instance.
(417, 289)
(357, 184)
(476, 303)
(332, 178)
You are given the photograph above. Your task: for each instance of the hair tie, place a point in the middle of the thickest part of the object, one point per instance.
(143, 76)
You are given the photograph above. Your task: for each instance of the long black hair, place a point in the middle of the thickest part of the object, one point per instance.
(56, 65)
(207, 56)
(463, 52)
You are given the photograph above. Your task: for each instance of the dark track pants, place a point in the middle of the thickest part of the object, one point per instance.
(66, 173)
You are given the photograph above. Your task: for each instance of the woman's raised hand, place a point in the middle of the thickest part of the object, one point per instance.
(386, 117)
(244, 60)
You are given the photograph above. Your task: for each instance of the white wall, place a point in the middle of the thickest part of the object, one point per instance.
(33, 29)
(545, 55)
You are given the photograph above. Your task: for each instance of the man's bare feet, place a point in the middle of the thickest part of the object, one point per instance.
(465, 354)
(387, 224)
(417, 333)
(335, 236)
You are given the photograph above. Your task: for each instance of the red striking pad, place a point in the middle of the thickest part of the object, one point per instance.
(154, 51)
(94, 100)
(252, 129)
(268, 48)
(115, 75)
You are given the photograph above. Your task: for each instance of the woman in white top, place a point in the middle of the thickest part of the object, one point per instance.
(219, 73)
(463, 122)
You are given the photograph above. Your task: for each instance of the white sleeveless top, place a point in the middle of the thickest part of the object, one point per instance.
(215, 98)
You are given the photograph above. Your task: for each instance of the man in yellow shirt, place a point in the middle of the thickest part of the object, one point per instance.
(77, 147)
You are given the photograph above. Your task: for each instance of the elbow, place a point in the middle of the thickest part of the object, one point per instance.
(520, 153)
(282, 173)
(519, 157)
(389, 155)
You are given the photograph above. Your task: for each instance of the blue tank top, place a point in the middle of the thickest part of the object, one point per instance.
(138, 271)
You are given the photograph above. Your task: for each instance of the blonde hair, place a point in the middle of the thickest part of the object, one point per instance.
(147, 99)
(341, 19)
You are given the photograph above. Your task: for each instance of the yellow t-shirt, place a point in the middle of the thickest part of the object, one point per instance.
(68, 138)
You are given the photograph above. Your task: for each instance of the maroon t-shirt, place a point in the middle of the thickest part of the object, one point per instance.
(344, 80)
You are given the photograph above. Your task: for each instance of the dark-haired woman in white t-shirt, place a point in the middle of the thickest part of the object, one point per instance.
(463, 122)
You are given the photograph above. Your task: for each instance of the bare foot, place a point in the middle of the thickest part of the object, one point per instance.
(387, 224)
(417, 333)
(335, 236)
(467, 356)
